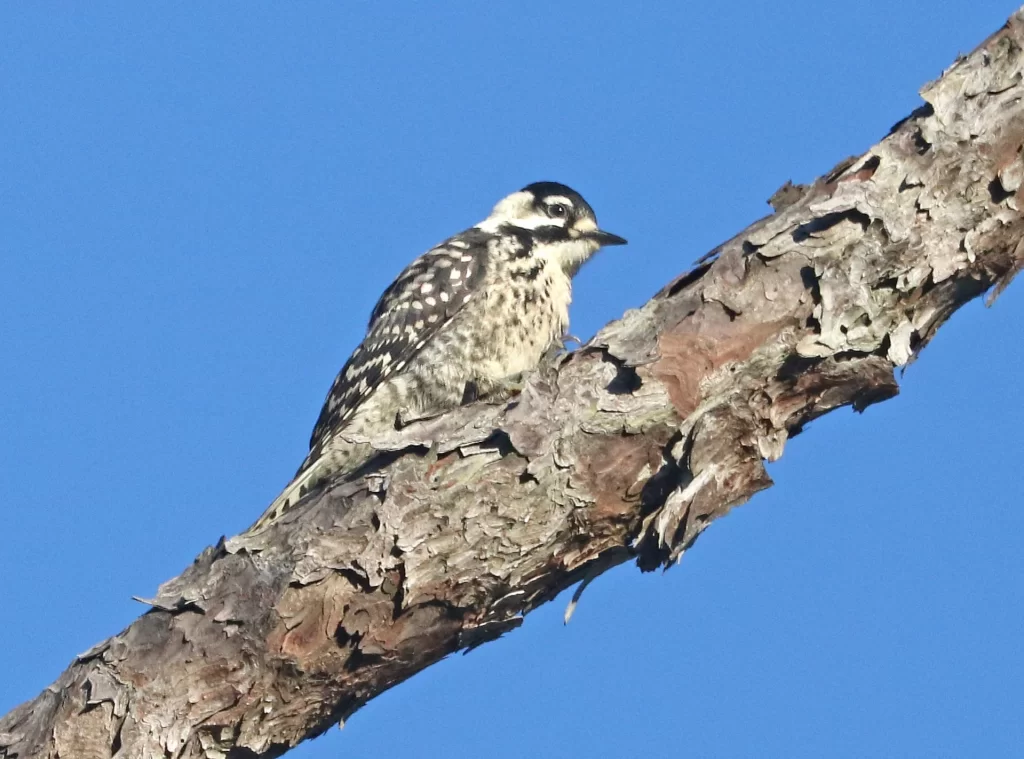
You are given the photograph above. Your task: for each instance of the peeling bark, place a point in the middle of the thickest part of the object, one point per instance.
(626, 449)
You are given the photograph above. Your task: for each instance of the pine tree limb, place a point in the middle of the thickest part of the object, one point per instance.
(627, 449)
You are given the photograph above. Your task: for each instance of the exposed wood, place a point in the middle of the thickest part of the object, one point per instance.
(626, 449)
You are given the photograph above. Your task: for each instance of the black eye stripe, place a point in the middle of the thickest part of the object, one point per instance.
(551, 233)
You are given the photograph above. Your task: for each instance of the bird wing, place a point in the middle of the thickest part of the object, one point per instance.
(414, 308)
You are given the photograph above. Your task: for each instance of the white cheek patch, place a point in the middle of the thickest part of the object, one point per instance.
(582, 226)
(535, 220)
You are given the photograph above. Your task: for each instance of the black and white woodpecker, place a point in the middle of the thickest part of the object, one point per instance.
(474, 312)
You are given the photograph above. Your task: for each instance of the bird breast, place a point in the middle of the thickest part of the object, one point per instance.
(530, 311)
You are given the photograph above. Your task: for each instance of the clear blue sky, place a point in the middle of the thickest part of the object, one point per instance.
(200, 204)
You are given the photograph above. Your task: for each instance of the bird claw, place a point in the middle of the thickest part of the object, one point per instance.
(494, 391)
(507, 388)
(567, 338)
(471, 393)
(553, 357)
(559, 350)
(404, 417)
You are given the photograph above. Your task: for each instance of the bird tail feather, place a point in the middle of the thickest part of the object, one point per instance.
(316, 474)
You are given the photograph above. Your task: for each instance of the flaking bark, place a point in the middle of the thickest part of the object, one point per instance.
(626, 449)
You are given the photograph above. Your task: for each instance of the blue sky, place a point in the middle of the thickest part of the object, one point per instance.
(201, 204)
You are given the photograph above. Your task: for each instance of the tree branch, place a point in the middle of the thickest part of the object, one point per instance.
(625, 449)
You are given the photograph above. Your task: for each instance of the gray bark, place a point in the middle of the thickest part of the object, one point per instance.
(625, 449)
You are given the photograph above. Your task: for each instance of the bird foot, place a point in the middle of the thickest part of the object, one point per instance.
(405, 417)
(497, 391)
(567, 338)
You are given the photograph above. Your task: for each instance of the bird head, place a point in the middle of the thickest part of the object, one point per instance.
(560, 223)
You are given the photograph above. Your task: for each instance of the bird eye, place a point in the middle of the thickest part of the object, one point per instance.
(558, 210)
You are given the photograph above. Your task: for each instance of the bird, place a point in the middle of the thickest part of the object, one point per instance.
(466, 320)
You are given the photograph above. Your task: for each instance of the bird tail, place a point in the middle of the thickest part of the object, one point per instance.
(303, 484)
(314, 475)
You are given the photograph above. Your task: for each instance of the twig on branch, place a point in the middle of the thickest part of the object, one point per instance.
(627, 448)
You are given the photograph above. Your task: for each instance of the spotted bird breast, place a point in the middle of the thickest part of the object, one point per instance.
(530, 305)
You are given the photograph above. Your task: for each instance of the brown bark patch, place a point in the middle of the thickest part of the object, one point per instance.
(688, 357)
(609, 468)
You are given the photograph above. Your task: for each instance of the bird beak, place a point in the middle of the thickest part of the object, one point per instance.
(605, 238)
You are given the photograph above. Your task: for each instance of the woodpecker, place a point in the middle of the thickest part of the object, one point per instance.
(462, 321)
